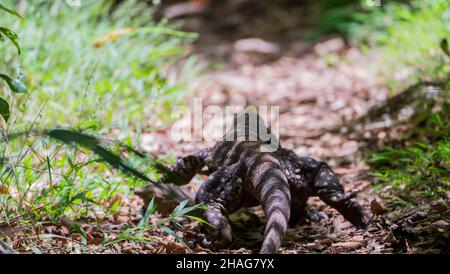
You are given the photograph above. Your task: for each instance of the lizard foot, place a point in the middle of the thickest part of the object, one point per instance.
(316, 215)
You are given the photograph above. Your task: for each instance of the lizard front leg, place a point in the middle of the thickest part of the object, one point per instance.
(168, 194)
(299, 171)
(329, 190)
(186, 168)
(222, 193)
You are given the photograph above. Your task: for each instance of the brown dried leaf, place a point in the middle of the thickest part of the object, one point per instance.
(390, 238)
(440, 224)
(447, 195)
(121, 219)
(377, 207)
(176, 248)
(349, 245)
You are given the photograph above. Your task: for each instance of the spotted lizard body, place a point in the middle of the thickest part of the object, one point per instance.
(241, 174)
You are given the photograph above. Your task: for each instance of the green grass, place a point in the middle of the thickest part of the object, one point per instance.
(405, 33)
(409, 42)
(407, 38)
(61, 61)
(118, 90)
(414, 173)
(417, 173)
(417, 168)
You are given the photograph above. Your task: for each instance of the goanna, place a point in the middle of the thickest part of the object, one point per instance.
(241, 174)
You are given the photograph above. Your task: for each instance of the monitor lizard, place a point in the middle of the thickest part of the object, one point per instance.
(241, 174)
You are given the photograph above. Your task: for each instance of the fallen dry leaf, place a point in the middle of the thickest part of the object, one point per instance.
(121, 219)
(377, 207)
(447, 195)
(201, 250)
(176, 248)
(440, 224)
(99, 42)
(390, 238)
(4, 190)
(349, 245)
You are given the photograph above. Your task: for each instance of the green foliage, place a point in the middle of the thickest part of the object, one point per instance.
(4, 109)
(406, 35)
(15, 85)
(98, 74)
(93, 144)
(12, 36)
(411, 43)
(13, 12)
(65, 68)
(347, 18)
(137, 233)
(418, 172)
(151, 208)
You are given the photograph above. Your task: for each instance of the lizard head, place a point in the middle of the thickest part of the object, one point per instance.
(249, 126)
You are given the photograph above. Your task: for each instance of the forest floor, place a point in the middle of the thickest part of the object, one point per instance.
(254, 56)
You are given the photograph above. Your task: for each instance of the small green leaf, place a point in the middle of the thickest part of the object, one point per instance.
(4, 109)
(13, 12)
(444, 46)
(92, 143)
(20, 86)
(79, 230)
(35, 250)
(182, 210)
(179, 209)
(82, 197)
(15, 85)
(177, 224)
(13, 37)
(151, 208)
(171, 232)
(199, 220)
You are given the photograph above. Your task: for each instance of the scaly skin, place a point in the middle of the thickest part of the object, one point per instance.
(241, 175)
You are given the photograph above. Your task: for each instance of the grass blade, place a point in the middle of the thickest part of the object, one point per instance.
(151, 208)
(13, 12)
(93, 144)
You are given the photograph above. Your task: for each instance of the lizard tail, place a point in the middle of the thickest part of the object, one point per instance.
(276, 200)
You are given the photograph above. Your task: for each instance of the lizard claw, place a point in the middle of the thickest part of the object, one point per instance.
(338, 199)
(316, 215)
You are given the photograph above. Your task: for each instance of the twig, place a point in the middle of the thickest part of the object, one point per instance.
(12, 220)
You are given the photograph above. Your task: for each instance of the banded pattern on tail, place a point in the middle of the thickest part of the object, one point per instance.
(241, 173)
(274, 194)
